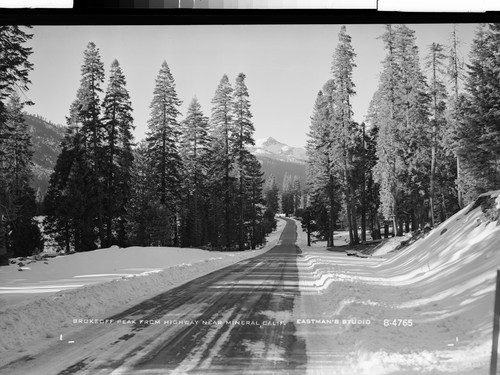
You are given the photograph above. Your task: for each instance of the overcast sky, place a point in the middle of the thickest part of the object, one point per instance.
(285, 66)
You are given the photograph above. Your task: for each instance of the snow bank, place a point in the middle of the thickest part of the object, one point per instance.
(444, 284)
(96, 283)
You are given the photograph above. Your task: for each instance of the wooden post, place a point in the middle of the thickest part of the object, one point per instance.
(496, 326)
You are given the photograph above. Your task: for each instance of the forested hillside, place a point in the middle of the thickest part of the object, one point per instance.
(46, 139)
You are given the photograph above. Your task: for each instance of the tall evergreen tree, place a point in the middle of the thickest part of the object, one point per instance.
(343, 132)
(118, 158)
(223, 180)
(287, 195)
(399, 109)
(70, 203)
(241, 138)
(297, 193)
(455, 73)
(75, 198)
(88, 104)
(479, 133)
(163, 142)
(14, 63)
(195, 146)
(271, 196)
(255, 231)
(271, 199)
(322, 178)
(24, 236)
(14, 70)
(148, 221)
(435, 62)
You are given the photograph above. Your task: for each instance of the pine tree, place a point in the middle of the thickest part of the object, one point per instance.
(271, 199)
(118, 158)
(24, 236)
(254, 203)
(297, 193)
(479, 133)
(372, 194)
(271, 192)
(147, 220)
(399, 109)
(435, 64)
(222, 183)
(287, 195)
(195, 146)
(343, 131)
(322, 178)
(455, 73)
(163, 142)
(70, 202)
(59, 222)
(14, 63)
(14, 70)
(75, 198)
(241, 138)
(88, 104)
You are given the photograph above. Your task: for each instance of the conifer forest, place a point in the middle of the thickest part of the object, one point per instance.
(430, 144)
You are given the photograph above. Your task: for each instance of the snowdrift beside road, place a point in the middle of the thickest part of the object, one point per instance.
(444, 283)
(95, 284)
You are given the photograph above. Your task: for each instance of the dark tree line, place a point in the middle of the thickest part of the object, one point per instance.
(19, 234)
(192, 182)
(430, 146)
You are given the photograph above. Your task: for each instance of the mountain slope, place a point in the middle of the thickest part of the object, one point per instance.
(279, 168)
(278, 159)
(46, 139)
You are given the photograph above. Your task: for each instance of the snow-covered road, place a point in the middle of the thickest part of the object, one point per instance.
(237, 319)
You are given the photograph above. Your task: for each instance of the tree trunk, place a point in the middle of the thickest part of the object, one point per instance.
(444, 214)
(241, 231)
(459, 185)
(395, 230)
(331, 221)
(433, 173)
(109, 219)
(3, 243)
(308, 231)
(363, 194)
(354, 226)
(376, 235)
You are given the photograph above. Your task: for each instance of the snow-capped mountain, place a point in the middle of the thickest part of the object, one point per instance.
(271, 148)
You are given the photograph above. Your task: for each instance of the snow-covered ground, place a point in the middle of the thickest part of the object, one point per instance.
(39, 303)
(425, 309)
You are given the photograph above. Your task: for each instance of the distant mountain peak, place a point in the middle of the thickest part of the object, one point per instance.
(266, 142)
(271, 140)
(274, 149)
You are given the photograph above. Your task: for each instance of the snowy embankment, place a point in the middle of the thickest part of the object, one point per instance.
(40, 302)
(425, 309)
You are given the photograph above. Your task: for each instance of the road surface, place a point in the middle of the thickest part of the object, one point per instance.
(235, 320)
